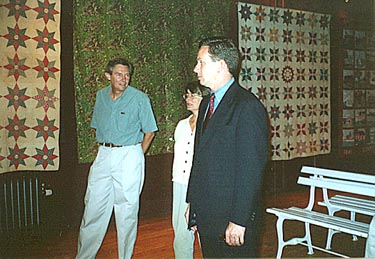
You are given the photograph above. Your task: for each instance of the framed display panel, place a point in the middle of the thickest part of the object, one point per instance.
(357, 123)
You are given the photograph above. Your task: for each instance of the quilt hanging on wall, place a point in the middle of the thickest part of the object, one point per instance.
(29, 85)
(286, 63)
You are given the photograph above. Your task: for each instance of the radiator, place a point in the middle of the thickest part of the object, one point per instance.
(20, 202)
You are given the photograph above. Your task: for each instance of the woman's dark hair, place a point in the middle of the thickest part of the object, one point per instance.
(196, 88)
(122, 61)
(221, 48)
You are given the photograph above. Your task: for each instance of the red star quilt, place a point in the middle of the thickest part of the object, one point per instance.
(286, 63)
(29, 85)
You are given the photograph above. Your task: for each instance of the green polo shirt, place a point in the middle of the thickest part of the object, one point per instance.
(125, 120)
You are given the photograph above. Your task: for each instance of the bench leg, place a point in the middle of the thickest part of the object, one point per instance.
(292, 241)
(308, 238)
(352, 218)
(331, 232)
(280, 237)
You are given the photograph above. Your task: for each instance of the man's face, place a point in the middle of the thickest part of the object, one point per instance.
(120, 78)
(206, 69)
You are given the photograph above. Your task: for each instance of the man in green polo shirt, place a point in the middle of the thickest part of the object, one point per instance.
(125, 124)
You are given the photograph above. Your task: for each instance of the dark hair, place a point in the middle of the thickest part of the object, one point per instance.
(113, 62)
(196, 88)
(222, 48)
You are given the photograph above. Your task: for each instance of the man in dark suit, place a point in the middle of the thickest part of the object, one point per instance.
(230, 154)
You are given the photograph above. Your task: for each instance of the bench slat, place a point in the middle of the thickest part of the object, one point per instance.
(356, 200)
(323, 220)
(349, 203)
(333, 219)
(339, 185)
(354, 208)
(356, 177)
(358, 205)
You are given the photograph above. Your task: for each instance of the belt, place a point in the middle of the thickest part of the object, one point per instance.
(110, 145)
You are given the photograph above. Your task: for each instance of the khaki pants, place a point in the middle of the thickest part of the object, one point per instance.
(115, 183)
(183, 238)
(370, 243)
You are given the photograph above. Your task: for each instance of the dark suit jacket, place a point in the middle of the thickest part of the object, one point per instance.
(229, 159)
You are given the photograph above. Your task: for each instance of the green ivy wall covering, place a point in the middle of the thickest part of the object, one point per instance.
(159, 37)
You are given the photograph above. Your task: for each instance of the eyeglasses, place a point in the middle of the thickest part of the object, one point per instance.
(185, 96)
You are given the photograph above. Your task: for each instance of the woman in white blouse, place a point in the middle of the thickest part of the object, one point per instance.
(183, 155)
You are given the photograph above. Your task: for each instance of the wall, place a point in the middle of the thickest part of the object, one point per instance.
(64, 208)
(280, 176)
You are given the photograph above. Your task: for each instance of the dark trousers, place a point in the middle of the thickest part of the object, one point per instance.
(214, 246)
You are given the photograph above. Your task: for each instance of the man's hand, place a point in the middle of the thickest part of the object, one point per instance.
(187, 212)
(235, 234)
(147, 139)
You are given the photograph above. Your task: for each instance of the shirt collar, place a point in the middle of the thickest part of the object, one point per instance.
(219, 94)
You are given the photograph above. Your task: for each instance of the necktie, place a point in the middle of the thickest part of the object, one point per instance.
(209, 112)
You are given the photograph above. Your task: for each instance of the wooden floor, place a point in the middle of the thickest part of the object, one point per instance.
(155, 239)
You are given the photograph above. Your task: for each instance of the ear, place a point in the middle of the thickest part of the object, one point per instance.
(223, 66)
(108, 76)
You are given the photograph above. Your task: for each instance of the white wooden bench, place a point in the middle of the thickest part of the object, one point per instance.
(326, 179)
(352, 204)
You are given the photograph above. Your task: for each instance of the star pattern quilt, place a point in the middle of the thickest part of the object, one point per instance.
(29, 85)
(286, 63)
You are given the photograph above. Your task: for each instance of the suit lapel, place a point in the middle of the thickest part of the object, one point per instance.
(219, 118)
(202, 110)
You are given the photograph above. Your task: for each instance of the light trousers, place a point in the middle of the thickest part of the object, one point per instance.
(183, 238)
(370, 242)
(115, 182)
